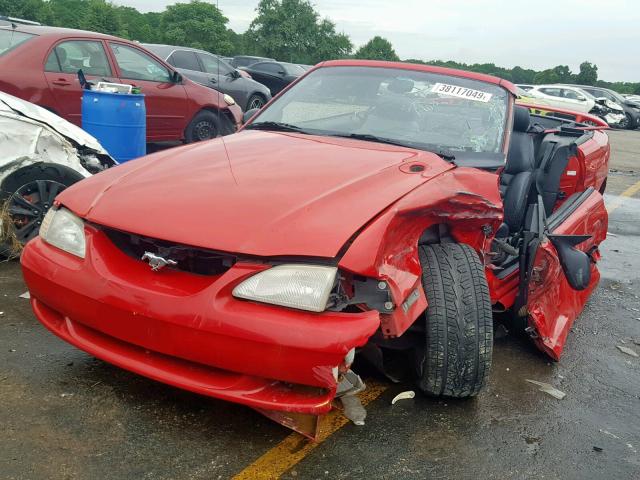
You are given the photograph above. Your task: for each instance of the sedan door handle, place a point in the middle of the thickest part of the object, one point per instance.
(62, 82)
(213, 80)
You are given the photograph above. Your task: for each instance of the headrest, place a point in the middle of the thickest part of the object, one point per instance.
(521, 119)
(401, 85)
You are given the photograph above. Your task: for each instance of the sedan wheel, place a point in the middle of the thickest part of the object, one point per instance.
(256, 101)
(624, 124)
(28, 206)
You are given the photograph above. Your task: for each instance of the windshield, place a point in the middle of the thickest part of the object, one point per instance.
(10, 39)
(417, 109)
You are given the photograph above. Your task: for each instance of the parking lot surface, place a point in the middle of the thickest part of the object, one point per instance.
(65, 414)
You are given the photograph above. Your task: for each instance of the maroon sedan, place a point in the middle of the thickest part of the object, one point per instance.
(40, 64)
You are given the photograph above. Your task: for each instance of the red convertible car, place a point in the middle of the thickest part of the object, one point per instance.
(386, 205)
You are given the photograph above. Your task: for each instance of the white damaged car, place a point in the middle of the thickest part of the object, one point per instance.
(40, 155)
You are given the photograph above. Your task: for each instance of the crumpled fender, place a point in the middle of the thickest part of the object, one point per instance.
(466, 200)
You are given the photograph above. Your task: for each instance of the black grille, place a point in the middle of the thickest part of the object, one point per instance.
(190, 259)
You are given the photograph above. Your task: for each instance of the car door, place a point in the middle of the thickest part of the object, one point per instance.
(61, 71)
(269, 74)
(223, 77)
(165, 100)
(561, 268)
(555, 95)
(186, 62)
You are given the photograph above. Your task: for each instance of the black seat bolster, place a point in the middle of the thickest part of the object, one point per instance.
(516, 200)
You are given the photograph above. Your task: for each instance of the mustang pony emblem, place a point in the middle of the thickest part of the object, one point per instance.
(157, 262)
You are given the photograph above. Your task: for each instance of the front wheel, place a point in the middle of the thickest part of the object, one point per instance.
(459, 322)
(204, 126)
(255, 101)
(26, 197)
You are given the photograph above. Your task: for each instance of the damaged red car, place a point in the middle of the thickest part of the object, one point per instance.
(371, 206)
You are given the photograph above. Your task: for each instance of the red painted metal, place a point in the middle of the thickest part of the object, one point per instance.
(167, 324)
(553, 304)
(262, 195)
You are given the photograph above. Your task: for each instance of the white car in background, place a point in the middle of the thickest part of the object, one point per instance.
(561, 96)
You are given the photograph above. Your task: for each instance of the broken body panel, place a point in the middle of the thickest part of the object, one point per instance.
(364, 207)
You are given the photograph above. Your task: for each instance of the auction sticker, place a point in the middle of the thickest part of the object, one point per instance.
(461, 92)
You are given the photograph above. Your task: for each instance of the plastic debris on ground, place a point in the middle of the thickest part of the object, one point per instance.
(549, 389)
(350, 385)
(25, 295)
(403, 396)
(627, 350)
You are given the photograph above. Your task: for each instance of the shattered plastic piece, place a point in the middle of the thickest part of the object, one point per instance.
(353, 409)
(550, 389)
(403, 396)
(25, 295)
(597, 449)
(627, 350)
(1, 313)
(350, 384)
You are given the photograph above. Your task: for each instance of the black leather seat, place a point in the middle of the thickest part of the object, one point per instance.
(518, 174)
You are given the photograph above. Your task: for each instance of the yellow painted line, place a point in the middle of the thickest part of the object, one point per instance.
(295, 447)
(629, 192)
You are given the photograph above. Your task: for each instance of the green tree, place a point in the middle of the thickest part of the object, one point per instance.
(291, 30)
(196, 24)
(588, 74)
(377, 48)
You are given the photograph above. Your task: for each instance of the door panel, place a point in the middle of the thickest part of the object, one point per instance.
(61, 72)
(552, 303)
(165, 101)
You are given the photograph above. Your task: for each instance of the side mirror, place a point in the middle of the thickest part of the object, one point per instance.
(575, 263)
(246, 116)
(236, 74)
(176, 77)
(580, 98)
(282, 73)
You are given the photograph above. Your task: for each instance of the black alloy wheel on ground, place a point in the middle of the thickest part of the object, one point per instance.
(26, 197)
(459, 322)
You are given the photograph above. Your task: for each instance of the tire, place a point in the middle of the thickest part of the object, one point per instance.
(255, 101)
(26, 185)
(204, 126)
(459, 322)
(631, 124)
(626, 123)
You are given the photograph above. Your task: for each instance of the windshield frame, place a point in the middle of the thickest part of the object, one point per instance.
(492, 157)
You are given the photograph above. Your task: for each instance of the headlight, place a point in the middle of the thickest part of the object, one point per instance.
(306, 287)
(64, 230)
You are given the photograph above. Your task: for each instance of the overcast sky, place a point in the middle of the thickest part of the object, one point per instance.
(536, 34)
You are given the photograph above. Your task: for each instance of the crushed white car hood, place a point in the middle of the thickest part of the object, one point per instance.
(31, 134)
(10, 103)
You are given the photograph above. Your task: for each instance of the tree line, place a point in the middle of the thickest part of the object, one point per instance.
(289, 30)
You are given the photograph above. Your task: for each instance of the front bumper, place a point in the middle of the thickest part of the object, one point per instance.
(188, 330)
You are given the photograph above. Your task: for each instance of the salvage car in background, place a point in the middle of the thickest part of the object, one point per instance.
(574, 98)
(373, 203)
(275, 75)
(209, 70)
(631, 108)
(40, 65)
(40, 155)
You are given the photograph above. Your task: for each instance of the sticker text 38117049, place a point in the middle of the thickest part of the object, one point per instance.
(461, 92)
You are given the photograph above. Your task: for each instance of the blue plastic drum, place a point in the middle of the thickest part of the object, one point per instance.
(118, 121)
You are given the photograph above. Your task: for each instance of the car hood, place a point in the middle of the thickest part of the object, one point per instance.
(68, 130)
(255, 192)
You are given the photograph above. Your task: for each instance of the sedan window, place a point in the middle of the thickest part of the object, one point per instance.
(214, 65)
(268, 67)
(136, 65)
(554, 92)
(10, 39)
(185, 59)
(71, 56)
